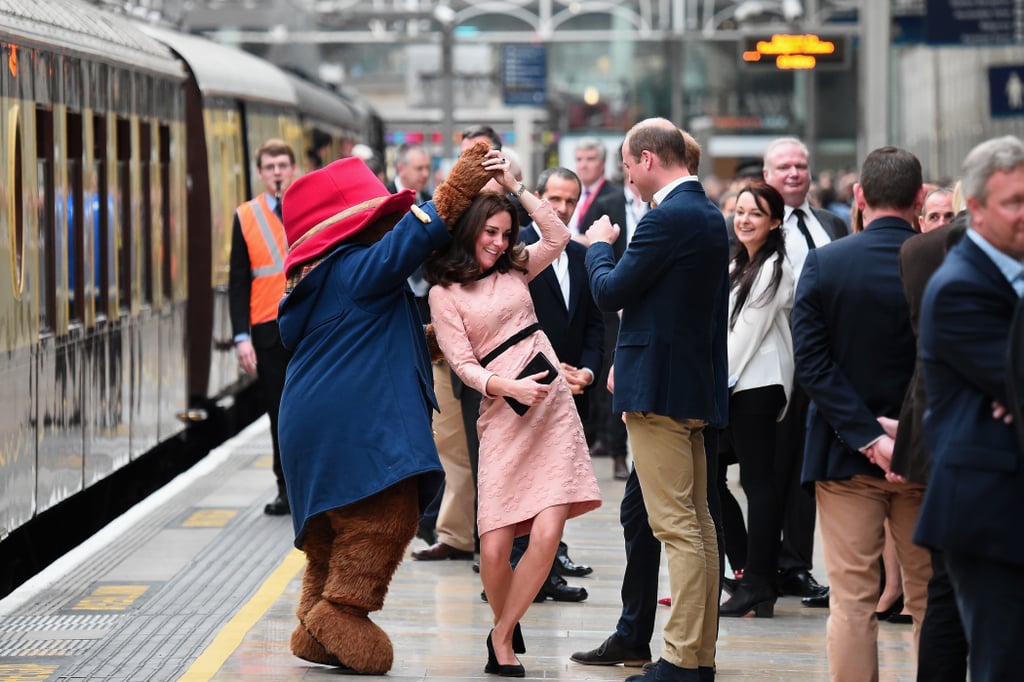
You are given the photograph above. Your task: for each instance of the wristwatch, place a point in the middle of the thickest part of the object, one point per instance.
(519, 190)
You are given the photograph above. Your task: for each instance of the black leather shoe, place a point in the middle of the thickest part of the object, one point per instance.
(279, 507)
(556, 589)
(817, 601)
(748, 598)
(565, 566)
(664, 671)
(613, 652)
(441, 551)
(800, 583)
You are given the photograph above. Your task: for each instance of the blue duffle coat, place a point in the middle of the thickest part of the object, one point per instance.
(358, 395)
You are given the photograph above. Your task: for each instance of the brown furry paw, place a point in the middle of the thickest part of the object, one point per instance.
(305, 646)
(467, 177)
(349, 635)
(432, 346)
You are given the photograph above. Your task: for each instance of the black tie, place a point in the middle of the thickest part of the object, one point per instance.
(277, 211)
(802, 226)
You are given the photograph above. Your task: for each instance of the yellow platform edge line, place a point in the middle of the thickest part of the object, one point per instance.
(234, 631)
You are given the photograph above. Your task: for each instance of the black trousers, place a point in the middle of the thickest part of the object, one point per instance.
(752, 421)
(798, 512)
(942, 651)
(734, 525)
(271, 365)
(990, 597)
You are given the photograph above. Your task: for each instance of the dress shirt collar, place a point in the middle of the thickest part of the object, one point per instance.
(660, 195)
(805, 207)
(271, 200)
(1012, 269)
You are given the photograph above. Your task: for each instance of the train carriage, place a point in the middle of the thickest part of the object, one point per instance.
(91, 313)
(125, 151)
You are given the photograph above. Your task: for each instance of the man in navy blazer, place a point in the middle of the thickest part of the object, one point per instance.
(973, 507)
(670, 374)
(855, 350)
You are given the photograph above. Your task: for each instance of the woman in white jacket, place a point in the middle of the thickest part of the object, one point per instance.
(761, 377)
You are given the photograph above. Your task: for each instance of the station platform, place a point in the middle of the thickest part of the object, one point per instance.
(196, 583)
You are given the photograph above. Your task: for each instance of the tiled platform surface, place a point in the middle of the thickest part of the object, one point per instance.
(197, 584)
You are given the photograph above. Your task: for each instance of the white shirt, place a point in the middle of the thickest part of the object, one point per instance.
(796, 245)
(635, 210)
(561, 270)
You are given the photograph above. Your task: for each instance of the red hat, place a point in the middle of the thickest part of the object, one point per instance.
(333, 203)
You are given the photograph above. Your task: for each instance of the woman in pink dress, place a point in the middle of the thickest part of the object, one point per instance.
(535, 470)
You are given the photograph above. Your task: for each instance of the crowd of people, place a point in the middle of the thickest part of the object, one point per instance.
(853, 344)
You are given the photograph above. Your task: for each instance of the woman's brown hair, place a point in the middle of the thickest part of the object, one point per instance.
(456, 263)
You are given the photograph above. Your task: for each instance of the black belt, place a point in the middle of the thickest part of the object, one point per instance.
(509, 342)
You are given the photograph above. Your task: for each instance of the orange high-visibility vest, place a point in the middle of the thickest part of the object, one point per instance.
(267, 246)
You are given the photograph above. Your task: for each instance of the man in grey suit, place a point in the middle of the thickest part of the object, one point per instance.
(805, 227)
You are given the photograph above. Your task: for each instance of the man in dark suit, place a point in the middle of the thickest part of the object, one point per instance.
(854, 351)
(572, 322)
(670, 369)
(942, 648)
(973, 506)
(805, 227)
(1015, 358)
(412, 171)
(591, 162)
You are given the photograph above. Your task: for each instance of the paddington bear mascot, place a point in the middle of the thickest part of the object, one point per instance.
(354, 427)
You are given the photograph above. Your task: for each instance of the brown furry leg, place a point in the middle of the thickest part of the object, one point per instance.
(370, 537)
(317, 546)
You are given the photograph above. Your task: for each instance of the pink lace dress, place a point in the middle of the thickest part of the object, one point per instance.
(529, 462)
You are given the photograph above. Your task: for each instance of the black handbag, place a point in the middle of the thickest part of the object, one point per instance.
(538, 364)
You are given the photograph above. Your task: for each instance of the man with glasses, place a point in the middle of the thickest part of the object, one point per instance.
(255, 286)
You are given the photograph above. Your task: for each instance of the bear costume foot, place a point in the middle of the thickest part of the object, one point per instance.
(308, 648)
(349, 635)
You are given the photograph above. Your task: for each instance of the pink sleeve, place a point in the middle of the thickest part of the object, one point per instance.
(453, 340)
(554, 235)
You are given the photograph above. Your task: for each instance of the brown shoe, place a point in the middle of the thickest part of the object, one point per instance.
(620, 470)
(440, 551)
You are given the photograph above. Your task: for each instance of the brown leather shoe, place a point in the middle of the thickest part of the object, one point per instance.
(620, 470)
(440, 551)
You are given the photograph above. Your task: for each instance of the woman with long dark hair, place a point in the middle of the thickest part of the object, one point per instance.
(761, 377)
(535, 470)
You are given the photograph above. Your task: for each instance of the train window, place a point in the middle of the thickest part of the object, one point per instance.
(101, 204)
(76, 220)
(123, 245)
(47, 221)
(146, 263)
(166, 248)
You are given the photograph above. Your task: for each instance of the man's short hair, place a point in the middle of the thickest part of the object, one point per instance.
(664, 140)
(274, 147)
(780, 141)
(402, 153)
(592, 144)
(891, 178)
(487, 131)
(937, 190)
(1000, 154)
(560, 172)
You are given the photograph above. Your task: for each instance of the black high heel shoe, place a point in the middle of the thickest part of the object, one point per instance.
(518, 644)
(746, 599)
(495, 668)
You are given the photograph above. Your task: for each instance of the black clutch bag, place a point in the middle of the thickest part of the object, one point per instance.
(538, 364)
